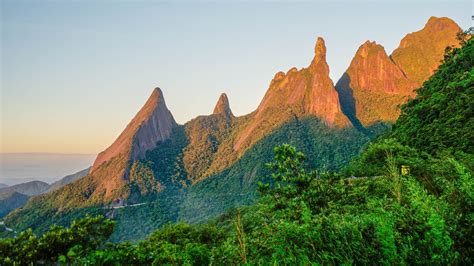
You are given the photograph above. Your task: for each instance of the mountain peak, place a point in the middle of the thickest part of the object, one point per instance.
(372, 69)
(308, 91)
(319, 52)
(428, 46)
(372, 74)
(320, 47)
(223, 107)
(157, 93)
(371, 48)
(153, 123)
(440, 23)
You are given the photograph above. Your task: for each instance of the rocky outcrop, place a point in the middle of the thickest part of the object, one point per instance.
(222, 107)
(153, 123)
(308, 91)
(375, 85)
(420, 53)
(323, 99)
(371, 69)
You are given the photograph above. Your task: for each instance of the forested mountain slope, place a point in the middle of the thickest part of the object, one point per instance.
(213, 162)
(412, 202)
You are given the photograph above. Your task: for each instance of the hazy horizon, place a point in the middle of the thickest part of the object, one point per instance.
(74, 74)
(18, 168)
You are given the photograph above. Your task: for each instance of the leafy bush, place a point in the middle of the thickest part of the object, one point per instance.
(57, 244)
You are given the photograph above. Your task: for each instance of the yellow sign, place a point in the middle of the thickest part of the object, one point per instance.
(405, 170)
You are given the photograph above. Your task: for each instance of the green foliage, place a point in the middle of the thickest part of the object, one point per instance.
(161, 179)
(441, 117)
(206, 135)
(304, 217)
(372, 161)
(58, 244)
(176, 244)
(142, 181)
(237, 185)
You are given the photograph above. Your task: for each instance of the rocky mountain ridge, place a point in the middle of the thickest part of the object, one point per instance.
(308, 91)
(16, 196)
(31, 188)
(217, 158)
(375, 84)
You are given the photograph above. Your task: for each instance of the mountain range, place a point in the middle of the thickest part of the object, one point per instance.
(214, 162)
(12, 197)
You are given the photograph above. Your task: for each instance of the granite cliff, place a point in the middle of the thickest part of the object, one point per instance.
(375, 84)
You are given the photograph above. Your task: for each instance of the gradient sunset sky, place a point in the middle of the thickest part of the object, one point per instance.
(74, 74)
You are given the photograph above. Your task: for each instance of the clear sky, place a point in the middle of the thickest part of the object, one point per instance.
(74, 73)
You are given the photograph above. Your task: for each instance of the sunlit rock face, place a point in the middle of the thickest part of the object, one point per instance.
(153, 123)
(372, 69)
(308, 91)
(375, 85)
(420, 53)
(222, 107)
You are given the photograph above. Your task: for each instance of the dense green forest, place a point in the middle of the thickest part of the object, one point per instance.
(407, 199)
(160, 180)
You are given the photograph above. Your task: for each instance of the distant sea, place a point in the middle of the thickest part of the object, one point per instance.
(48, 167)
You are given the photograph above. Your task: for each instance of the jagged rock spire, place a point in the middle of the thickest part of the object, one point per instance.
(323, 99)
(319, 59)
(222, 107)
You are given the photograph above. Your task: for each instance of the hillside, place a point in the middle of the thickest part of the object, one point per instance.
(10, 200)
(442, 116)
(68, 179)
(32, 188)
(17, 196)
